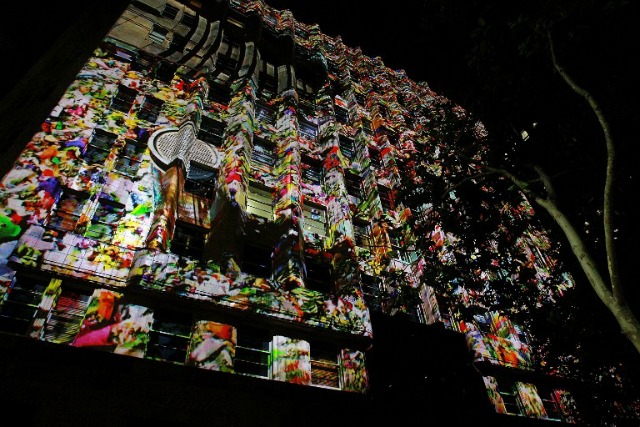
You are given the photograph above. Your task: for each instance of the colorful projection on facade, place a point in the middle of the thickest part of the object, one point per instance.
(104, 320)
(130, 163)
(524, 399)
(212, 346)
(496, 341)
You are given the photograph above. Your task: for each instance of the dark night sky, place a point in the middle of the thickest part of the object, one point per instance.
(390, 30)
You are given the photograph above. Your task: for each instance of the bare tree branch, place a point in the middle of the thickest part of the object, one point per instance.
(609, 177)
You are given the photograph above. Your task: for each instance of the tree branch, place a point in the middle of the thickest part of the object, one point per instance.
(578, 246)
(546, 181)
(609, 177)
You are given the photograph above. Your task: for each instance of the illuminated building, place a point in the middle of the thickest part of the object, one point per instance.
(213, 196)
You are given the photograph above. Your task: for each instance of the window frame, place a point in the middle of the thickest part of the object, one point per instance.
(312, 172)
(362, 237)
(386, 197)
(150, 109)
(169, 11)
(354, 184)
(158, 34)
(320, 363)
(311, 224)
(211, 131)
(260, 200)
(20, 305)
(192, 240)
(124, 96)
(99, 144)
(66, 314)
(134, 157)
(65, 194)
(307, 130)
(188, 19)
(253, 341)
(347, 147)
(162, 336)
(262, 154)
(108, 204)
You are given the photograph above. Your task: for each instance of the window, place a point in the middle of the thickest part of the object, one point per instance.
(105, 220)
(315, 220)
(201, 181)
(150, 109)
(307, 130)
(305, 91)
(347, 147)
(218, 92)
(169, 336)
(188, 241)
(178, 42)
(317, 275)
(398, 245)
(166, 71)
(366, 126)
(19, 308)
(188, 19)
(416, 314)
(262, 154)
(195, 208)
(342, 115)
(67, 211)
(375, 157)
(353, 184)
(142, 62)
(256, 260)
(550, 403)
(386, 197)
(99, 147)
(130, 157)
(311, 172)
(265, 113)
(362, 233)
(64, 320)
(124, 98)
(228, 55)
(360, 98)
(324, 366)
(158, 34)
(372, 290)
(267, 81)
(259, 201)
(253, 352)
(509, 395)
(211, 131)
(170, 11)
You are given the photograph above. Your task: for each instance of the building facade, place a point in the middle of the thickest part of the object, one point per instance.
(216, 189)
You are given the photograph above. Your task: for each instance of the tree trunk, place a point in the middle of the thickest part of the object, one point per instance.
(628, 322)
(615, 302)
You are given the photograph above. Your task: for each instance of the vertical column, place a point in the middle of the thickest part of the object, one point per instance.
(340, 241)
(228, 211)
(288, 264)
(167, 187)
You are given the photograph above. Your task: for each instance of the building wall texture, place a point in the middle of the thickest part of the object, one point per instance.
(216, 189)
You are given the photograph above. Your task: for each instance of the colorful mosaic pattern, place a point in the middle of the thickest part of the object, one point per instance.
(291, 360)
(212, 346)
